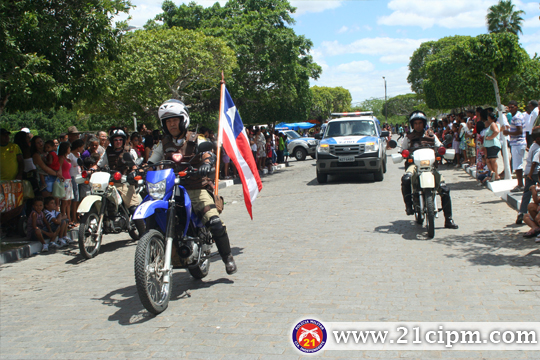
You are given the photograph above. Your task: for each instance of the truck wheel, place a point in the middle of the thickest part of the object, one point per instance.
(322, 178)
(384, 165)
(379, 174)
(300, 154)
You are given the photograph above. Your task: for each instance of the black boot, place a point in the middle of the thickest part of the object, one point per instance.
(450, 224)
(406, 190)
(221, 238)
(446, 203)
(139, 224)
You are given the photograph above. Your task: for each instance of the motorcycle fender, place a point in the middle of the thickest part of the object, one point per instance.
(87, 203)
(427, 180)
(148, 208)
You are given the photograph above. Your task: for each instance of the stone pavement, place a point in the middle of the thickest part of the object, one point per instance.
(344, 251)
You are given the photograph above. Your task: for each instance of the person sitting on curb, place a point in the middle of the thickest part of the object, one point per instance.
(531, 173)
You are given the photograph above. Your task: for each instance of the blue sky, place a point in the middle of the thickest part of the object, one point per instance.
(357, 42)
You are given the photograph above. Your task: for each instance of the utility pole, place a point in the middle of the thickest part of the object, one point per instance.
(385, 105)
(135, 121)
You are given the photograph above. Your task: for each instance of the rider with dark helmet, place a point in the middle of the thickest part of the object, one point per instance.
(113, 157)
(417, 138)
(174, 118)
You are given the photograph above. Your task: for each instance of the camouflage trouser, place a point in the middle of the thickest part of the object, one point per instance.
(129, 194)
(203, 204)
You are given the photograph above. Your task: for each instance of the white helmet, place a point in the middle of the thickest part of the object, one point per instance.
(173, 108)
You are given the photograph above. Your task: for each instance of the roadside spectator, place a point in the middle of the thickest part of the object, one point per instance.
(23, 140)
(136, 145)
(57, 221)
(103, 141)
(75, 158)
(38, 226)
(47, 175)
(281, 148)
(517, 142)
(73, 134)
(65, 165)
(492, 143)
(534, 120)
(92, 148)
(531, 174)
(62, 138)
(470, 143)
(532, 218)
(261, 148)
(456, 143)
(285, 150)
(11, 158)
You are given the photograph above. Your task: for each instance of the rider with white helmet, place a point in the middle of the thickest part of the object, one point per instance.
(174, 118)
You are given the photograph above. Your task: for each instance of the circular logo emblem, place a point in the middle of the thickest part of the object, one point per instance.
(309, 336)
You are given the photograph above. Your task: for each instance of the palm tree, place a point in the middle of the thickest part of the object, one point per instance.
(503, 18)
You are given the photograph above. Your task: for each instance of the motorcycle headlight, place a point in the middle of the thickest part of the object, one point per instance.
(372, 147)
(324, 148)
(157, 190)
(312, 142)
(425, 163)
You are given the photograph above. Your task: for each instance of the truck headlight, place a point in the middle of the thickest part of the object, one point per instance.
(157, 190)
(324, 148)
(372, 147)
(312, 142)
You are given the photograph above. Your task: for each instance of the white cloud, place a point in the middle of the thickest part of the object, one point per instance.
(445, 13)
(303, 7)
(368, 28)
(531, 22)
(531, 43)
(343, 29)
(391, 50)
(356, 67)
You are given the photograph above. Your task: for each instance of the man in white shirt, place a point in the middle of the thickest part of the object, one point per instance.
(534, 120)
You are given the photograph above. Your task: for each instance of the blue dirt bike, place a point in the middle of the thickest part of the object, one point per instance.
(170, 222)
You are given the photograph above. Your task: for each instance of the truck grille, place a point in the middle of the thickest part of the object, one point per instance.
(343, 150)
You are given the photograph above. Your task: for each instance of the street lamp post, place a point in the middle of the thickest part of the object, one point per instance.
(135, 121)
(385, 105)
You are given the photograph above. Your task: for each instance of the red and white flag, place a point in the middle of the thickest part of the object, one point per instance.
(236, 144)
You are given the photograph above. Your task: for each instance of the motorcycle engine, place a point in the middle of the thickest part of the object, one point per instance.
(120, 223)
(188, 251)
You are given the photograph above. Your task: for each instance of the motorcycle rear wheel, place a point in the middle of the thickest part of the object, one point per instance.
(149, 260)
(89, 239)
(430, 216)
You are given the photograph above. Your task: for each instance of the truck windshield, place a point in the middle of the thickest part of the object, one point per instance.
(292, 134)
(351, 128)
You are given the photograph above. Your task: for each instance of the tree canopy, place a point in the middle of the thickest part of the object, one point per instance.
(50, 50)
(271, 82)
(156, 65)
(452, 72)
(326, 100)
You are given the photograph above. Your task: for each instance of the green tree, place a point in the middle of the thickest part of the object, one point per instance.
(156, 65)
(525, 86)
(271, 83)
(326, 100)
(503, 18)
(50, 50)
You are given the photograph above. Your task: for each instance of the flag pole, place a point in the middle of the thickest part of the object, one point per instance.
(219, 134)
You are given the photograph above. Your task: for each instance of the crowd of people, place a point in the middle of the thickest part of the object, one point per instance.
(51, 166)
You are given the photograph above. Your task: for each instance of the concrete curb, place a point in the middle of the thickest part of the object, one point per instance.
(34, 247)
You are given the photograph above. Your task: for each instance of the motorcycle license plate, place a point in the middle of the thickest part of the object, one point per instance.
(346, 159)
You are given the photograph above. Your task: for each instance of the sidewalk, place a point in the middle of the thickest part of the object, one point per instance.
(500, 188)
(30, 248)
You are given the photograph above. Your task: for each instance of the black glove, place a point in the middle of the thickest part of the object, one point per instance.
(205, 170)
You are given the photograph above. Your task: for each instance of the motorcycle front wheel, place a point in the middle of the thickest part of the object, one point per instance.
(89, 239)
(149, 260)
(430, 216)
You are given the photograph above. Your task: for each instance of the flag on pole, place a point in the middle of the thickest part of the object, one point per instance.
(236, 145)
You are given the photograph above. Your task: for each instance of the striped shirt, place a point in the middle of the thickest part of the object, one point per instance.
(51, 215)
(517, 140)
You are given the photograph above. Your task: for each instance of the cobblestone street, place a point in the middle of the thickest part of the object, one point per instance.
(343, 251)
